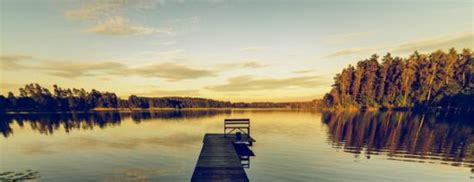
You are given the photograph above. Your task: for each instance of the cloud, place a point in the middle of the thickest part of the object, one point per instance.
(71, 69)
(347, 37)
(14, 57)
(246, 63)
(172, 71)
(248, 82)
(252, 64)
(81, 14)
(345, 52)
(254, 49)
(119, 26)
(13, 61)
(107, 17)
(93, 10)
(459, 40)
(168, 93)
(303, 71)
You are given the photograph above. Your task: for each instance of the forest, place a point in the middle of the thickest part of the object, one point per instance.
(34, 97)
(435, 80)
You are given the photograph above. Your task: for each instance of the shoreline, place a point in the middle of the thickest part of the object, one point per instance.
(129, 110)
(401, 109)
(351, 109)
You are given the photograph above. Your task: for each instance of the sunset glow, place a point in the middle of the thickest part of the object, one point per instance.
(226, 50)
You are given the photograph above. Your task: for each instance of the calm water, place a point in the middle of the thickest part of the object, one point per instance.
(291, 145)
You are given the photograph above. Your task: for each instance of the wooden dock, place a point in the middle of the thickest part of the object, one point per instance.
(219, 160)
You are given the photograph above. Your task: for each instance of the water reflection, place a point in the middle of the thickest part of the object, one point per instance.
(404, 136)
(292, 145)
(47, 123)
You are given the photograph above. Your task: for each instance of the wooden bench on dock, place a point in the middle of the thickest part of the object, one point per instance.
(221, 154)
(242, 125)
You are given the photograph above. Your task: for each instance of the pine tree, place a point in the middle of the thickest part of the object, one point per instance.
(382, 75)
(436, 79)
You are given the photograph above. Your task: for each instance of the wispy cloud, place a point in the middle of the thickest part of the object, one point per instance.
(345, 52)
(172, 71)
(459, 40)
(13, 61)
(245, 63)
(303, 71)
(94, 10)
(253, 64)
(72, 69)
(347, 37)
(107, 17)
(248, 82)
(119, 26)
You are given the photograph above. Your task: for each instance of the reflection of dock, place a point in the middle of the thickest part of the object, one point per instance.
(220, 158)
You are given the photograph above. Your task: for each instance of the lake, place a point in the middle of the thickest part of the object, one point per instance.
(292, 145)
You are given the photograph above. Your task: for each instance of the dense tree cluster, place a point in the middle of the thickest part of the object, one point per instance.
(438, 79)
(33, 97)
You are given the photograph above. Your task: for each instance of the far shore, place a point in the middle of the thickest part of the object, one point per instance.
(349, 109)
(196, 108)
(125, 110)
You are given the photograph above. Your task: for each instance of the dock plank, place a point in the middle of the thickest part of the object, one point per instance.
(219, 161)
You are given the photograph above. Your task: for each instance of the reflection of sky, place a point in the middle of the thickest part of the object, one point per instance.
(123, 47)
(290, 146)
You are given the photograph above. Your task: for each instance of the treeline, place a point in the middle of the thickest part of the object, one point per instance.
(34, 97)
(438, 79)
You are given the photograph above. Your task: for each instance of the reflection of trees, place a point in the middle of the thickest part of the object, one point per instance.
(173, 114)
(5, 126)
(404, 136)
(47, 123)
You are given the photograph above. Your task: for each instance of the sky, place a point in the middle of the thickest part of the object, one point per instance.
(227, 50)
